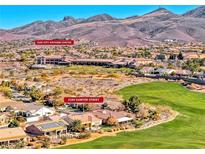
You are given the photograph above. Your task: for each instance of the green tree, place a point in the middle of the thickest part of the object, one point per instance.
(6, 91)
(76, 126)
(193, 65)
(170, 66)
(5, 83)
(172, 56)
(35, 94)
(46, 143)
(13, 123)
(132, 105)
(84, 107)
(20, 145)
(180, 56)
(138, 123)
(64, 139)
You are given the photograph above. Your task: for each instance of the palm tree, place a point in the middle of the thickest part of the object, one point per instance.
(76, 126)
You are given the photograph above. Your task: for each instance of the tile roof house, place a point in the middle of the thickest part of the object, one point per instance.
(11, 135)
(43, 111)
(34, 112)
(163, 71)
(146, 70)
(89, 121)
(6, 102)
(183, 72)
(120, 116)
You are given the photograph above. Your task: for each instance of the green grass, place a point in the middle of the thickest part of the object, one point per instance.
(93, 70)
(186, 131)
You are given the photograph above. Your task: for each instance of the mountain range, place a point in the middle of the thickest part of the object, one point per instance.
(156, 26)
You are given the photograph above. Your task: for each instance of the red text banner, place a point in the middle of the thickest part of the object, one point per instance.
(54, 42)
(74, 100)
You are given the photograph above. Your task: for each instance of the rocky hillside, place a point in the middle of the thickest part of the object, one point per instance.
(158, 25)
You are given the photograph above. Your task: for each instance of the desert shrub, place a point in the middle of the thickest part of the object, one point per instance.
(6, 91)
(58, 103)
(138, 123)
(111, 121)
(63, 139)
(114, 75)
(84, 107)
(20, 119)
(34, 139)
(57, 91)
(36, 94)
(100, 131)
(30, 144)
(19, 145)
(37, 146)
(46, 142)
(36, 79)
(109, 130)
(84, 135)
(28, 78)
(69, 91)
(57, 72)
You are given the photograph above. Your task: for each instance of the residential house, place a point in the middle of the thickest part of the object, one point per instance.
(9, 105)
(89, 121)
(20, 97)
(33, 112)
(43, 111)
(199, 75)
(163, 71)
(146, 70)
(48, 128)
(120, 116)
(123, 62)
(181, 72)
(12, 135)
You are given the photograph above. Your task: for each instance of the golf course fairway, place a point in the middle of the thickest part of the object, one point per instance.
(186, 131)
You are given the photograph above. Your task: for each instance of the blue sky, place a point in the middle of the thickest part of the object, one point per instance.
(18, 15)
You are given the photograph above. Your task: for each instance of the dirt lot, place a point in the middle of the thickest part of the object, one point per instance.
(83, 81)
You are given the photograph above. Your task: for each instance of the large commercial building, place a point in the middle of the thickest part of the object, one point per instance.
(62, 60)
(59, 60)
